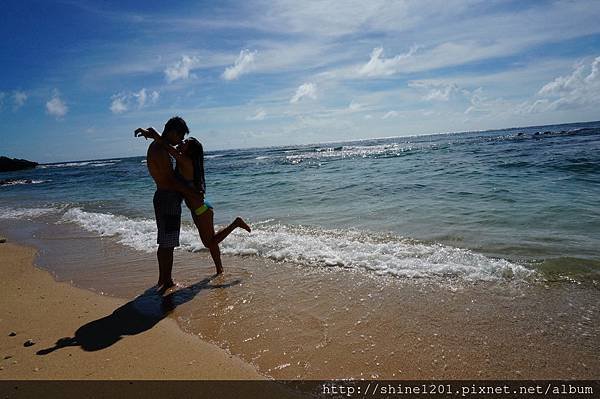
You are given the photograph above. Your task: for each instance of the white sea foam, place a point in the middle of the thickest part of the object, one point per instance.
(23, 181)
(25, 213)
(96, 165)
(139, 234)
(78, 164)
(383, 255)
(392, 149)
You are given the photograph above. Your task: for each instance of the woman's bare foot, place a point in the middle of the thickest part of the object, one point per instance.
(240, 223)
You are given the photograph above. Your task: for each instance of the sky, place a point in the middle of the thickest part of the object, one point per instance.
(77, 77)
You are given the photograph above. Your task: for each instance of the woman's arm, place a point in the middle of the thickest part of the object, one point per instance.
(151, 133)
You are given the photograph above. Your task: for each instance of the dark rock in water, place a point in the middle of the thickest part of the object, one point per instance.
(12, 334)
(520, 134)
(536, 134)
(29, 342)
(11, 164)
(547, 132)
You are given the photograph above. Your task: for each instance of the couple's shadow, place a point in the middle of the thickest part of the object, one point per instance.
(136, 316)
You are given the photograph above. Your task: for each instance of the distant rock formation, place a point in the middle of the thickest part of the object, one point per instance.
(9, 164)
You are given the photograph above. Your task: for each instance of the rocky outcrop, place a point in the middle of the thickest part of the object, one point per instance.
(10, 164)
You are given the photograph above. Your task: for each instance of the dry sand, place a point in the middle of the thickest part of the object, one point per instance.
(37, 308)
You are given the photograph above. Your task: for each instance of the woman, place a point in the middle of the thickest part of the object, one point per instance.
(190, 169)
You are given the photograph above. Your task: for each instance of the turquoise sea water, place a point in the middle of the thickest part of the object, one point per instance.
(513, 203)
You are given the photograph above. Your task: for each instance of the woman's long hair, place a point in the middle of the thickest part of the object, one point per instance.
(196, 152)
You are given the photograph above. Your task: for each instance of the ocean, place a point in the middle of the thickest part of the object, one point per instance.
(474, 255)
(515, 203)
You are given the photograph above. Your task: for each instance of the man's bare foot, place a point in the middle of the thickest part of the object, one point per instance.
(166, 286)
(240, 223)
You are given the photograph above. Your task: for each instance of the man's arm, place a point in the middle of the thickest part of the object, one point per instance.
(151, 133)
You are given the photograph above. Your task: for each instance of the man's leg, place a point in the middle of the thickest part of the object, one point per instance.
(165, 267)
(167, 208)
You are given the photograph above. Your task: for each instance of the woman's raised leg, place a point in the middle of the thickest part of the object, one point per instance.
(206, 228)
(224, 232)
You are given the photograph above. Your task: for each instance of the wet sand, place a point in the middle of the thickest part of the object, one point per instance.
(114, 340)
(297, 322)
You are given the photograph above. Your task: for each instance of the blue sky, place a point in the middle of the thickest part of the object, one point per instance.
(77, 77)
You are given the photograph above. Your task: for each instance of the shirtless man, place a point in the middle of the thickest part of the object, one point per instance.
(167, 198)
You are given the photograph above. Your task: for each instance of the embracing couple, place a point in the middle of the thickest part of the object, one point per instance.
(185, 182)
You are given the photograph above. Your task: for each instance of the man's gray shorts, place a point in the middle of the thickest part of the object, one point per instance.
(167, 210)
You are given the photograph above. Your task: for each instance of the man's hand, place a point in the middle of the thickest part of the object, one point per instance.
(149, 133)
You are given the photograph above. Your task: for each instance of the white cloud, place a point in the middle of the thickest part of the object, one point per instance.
(118, 104)
(390, 114)
(181, 69)
(19, 98)
(56, 107)
(580, 89)
(243, 64)
(122, 102)
(354, 106)
(378, 66)
(259, 116)
(143, 97)
(481, 104)
(305, 90)
(436, 91)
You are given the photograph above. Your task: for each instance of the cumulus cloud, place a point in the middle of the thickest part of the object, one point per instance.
(305, 90)
(56, 107)
(243, 64)
(259, 116)
(181, 69)
(390, 114)
(19, 98)
(436, 91)
(143, 97)
(380, 66)
(118, 104)
(122, 102)
(579, 89)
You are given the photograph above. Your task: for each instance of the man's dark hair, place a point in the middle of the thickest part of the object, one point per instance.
(178, 124)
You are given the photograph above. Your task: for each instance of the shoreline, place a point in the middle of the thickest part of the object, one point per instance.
(37, 307)
(353, 326)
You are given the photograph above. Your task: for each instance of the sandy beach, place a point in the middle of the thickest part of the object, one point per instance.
(37, 308)
(281, 321)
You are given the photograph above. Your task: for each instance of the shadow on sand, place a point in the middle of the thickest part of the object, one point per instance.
(134, 317)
